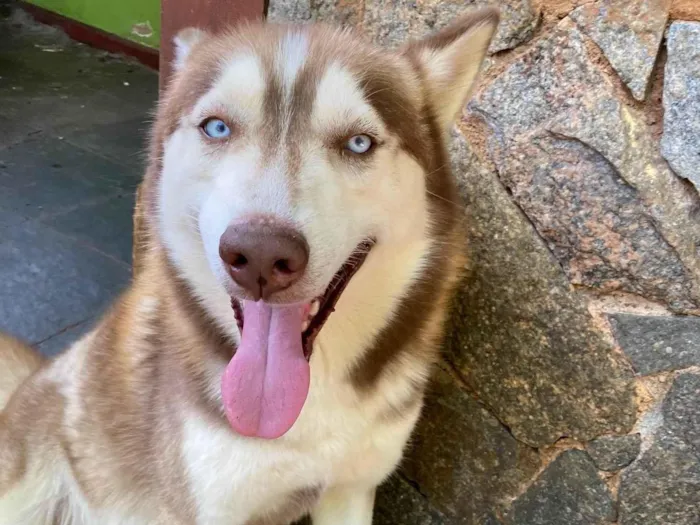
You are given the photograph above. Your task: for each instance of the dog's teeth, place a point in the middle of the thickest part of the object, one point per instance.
(304, 326)
(315, 307)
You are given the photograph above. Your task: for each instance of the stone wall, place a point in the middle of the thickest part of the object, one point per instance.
(570, 389)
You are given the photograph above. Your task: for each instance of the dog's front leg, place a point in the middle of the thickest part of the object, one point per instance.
(345, 506)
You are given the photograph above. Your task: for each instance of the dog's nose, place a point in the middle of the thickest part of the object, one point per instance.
(263, 255)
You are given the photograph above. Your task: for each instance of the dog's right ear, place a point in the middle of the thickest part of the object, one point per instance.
(185, 40)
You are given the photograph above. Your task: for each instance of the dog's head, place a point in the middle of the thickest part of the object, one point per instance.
(291, 156)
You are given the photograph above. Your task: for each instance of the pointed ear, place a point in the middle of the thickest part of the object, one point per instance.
(450, 61)
(185, 40)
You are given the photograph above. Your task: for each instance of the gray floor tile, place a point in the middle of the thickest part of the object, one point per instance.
(46, 175)
(11, 133)
(48, 282)
(48, 80)
(71, 138)
(59, 342)
(124, 142)
(9, 219)
(17, 79)
(55, 108)
(106, 225)
(73, 94)
(20, 30)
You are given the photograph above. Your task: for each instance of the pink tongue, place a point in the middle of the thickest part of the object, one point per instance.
(265, 385)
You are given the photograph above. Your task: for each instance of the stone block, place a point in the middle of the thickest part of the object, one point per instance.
(612, 453)
(679, 144)
(658, 343)
(587, 171)
(629, 34)
(462, 459)
(662, 486)
(569, 491)
(520, 338)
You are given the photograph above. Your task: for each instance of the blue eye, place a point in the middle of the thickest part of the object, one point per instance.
(359, 144)
(215, 128)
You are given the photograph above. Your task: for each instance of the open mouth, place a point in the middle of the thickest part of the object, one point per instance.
(265, 385)
(316, 312)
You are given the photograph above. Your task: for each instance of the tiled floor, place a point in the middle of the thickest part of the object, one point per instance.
(73, 122)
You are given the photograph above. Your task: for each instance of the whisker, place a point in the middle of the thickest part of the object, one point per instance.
(460, 206)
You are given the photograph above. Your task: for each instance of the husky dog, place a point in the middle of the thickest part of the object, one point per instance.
(302, 240)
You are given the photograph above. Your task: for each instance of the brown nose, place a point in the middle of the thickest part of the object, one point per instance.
(263, 256)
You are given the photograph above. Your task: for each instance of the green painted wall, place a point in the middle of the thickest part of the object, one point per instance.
(136, 20)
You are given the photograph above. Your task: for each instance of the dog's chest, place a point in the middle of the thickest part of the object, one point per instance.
(334, 441)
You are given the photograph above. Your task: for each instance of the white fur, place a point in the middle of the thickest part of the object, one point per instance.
(335, 445)
(184, 42)
(292, 55)
(345, 506)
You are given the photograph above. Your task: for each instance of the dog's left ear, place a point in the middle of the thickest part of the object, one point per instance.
(185, 40)
(450, 61)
